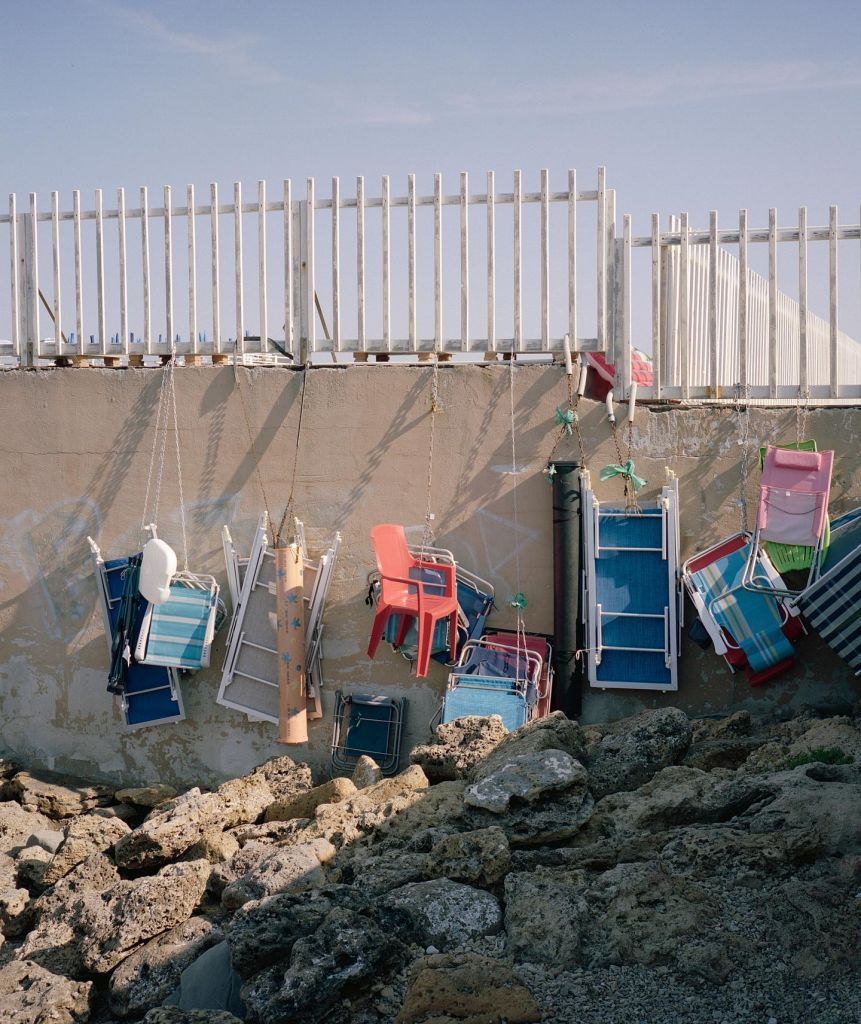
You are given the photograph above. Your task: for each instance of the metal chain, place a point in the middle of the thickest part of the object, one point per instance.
(288, 508)
(519, 601)
(427, 533)
(161, 410)
(742, 395)
(256, 461)
(801, 410)
(172, 388)
(167, 371)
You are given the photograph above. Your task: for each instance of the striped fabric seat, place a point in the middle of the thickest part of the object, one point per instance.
(753, 619)
(832, 605)
(179, 632)
(485, 695)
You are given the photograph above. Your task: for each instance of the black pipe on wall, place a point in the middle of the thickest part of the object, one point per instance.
(567, 556)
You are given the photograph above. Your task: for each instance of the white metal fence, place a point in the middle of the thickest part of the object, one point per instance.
(459, 272)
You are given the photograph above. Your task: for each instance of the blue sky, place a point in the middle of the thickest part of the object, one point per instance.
(689, 105)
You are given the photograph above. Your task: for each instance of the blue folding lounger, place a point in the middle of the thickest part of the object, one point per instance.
(150, 694)
(367, 725)
(832, 603)
(631, 599)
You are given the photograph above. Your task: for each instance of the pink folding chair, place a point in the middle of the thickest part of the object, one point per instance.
(793, 507)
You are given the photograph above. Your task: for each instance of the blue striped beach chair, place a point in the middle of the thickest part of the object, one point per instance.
(832, 604)
(179, 633)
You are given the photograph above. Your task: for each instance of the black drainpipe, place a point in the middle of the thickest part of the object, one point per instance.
(567, 556)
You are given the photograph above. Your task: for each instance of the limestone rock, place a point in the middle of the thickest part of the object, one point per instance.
(215, 846)
(284, 777)
(175, 1015)
(525, 777)
(84, 836)
(838, 733)
(57, 796)
(458, 746)
(632, 750)
(347, 950)
(146, 796)
(543, 911)
(17, 825)
(282, 869)
(30, 994)
(264, 931)
(557, 818)
(31, 863)
(446, 914)
(280, 832)
(303, 805)
(467, 988)
(147, 977)
(48, 839)
(366, 772)
(554, 732)
(94, 932)
(14, 918)
(481, 858)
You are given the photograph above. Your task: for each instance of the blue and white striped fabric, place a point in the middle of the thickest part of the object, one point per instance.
(485, 695)
(179, 629)
(832, 605)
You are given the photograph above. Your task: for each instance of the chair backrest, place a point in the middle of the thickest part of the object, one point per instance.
(390, 547)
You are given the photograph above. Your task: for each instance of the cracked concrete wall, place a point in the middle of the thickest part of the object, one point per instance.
(75, 448)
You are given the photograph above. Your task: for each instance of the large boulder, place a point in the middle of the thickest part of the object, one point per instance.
(176, 1015)
(366, 772)
(210, 982)
(446, 914)
(525, 777)
(92, 932)
(57, 796)
(30, 994)
(543, 911)
(553, 732)
(632, 750)
(283, 869)
(458, 746)
(303, 805)
(88, 834)
(466, 987)
(147, 977)
(146, 796)
(17, 825)
(347, 951)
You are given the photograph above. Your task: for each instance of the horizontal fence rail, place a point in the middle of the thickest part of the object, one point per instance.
(299, 272)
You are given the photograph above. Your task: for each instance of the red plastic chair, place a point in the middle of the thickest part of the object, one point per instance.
(410, 597)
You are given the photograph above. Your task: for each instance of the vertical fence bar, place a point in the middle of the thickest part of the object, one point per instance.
(336, 263)
(437, 262)
(213, 249)
(192, 269)
(360, 262)
(387, 265)
(656, 305)
(802, 300)
(625, 306)
(55, 253)
(411, 260)
(100, 273)
(464, 261)
(168, 268)
(518, 265)
(572, 258)
(684, 307)
(772, 302)
(13, 275)
(833, 321)
(288, 266)
(491, 262)
(239, 346)
(263, 309)
(310, 276)
(31, 270)
(123, 276)
(602, 261)
(545, 260)
(612, 293)
(713, 304)
(742, 299)
(79, 280)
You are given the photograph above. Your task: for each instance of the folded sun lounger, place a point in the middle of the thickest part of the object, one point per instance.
(367, 725)
(751, 629)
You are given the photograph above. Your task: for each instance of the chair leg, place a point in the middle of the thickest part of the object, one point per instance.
(403, 629)
(377, 630)
(426, 627)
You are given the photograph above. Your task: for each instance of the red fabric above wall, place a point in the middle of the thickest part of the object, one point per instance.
(602, 375)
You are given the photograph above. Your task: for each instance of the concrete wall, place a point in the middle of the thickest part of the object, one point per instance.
(75, 452)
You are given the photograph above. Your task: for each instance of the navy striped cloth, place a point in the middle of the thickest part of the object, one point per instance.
(832, 605)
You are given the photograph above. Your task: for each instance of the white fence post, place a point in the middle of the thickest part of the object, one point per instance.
(29, 284)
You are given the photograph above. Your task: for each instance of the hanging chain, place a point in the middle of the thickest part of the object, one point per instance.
(161, 410)
(172, 389)
(742, 396)
(518, 602)
(238, 381)
(568, 426)
(288, 508)
(427, 533)
(801, 410)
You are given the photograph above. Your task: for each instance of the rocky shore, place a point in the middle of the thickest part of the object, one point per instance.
(656, 869)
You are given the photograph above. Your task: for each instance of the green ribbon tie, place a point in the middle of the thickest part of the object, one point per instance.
(566, 419)
(550, 472)
(518, 601)
(627, 471)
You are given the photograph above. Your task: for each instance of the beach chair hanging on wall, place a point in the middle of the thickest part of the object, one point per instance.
(832, 604)
(753, 630)
(148, 694)
(631, 602)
